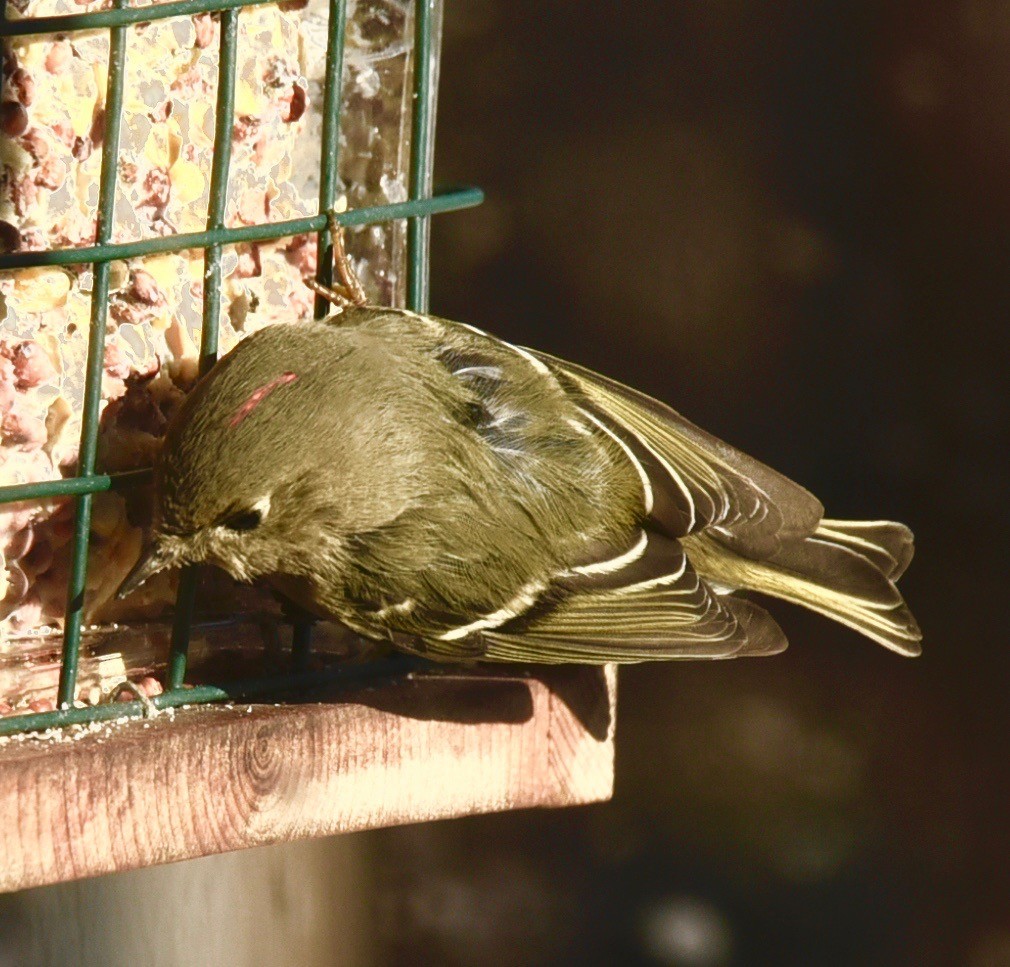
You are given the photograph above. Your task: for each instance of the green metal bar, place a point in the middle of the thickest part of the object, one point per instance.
(96, 352)
(178, 653)
(420, 158)
(347, 675)
(73, 486)
(329, 177)
(447, 200)
(223, 125)
(102, 19)
(329, 161)
(56, 488)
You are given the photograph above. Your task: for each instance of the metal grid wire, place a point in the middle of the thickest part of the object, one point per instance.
(416, 210)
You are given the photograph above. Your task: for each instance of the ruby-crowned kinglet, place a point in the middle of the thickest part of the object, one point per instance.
(422, 482)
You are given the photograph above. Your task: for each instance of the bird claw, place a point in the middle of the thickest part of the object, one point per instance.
(150, 709)
(349, 290)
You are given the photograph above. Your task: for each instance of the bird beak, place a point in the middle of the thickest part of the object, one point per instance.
(154, 559)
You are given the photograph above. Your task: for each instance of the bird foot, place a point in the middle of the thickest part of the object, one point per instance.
(138, 690)
(348, 291)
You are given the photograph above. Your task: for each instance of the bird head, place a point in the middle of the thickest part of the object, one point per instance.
(241, 481)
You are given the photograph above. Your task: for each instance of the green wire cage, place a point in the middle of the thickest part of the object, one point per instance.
(420, 203)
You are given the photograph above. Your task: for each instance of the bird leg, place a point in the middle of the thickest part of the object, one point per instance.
(301, 631)
(348, 291)
(342, 264)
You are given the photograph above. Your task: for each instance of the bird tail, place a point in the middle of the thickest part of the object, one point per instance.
(845, 570)
(885, 543)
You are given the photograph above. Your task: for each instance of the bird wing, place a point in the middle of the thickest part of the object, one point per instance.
(699, 482)
(673, 614)
(626, 594)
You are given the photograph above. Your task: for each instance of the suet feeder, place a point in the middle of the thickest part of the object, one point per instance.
(166, 171)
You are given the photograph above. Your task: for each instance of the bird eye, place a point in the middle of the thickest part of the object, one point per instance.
(244, 520)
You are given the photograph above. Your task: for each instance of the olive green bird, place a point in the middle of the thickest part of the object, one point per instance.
(427, 484)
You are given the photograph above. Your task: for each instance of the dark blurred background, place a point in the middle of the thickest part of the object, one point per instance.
(790, 220)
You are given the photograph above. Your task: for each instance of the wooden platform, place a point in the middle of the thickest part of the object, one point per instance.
(211, 779)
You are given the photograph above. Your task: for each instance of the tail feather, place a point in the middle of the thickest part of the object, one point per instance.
(886, 544)
(845, 577)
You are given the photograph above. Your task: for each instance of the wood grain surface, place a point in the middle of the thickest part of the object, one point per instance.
(206, 780)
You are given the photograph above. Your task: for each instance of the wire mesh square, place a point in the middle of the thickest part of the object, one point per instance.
(213, 215)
